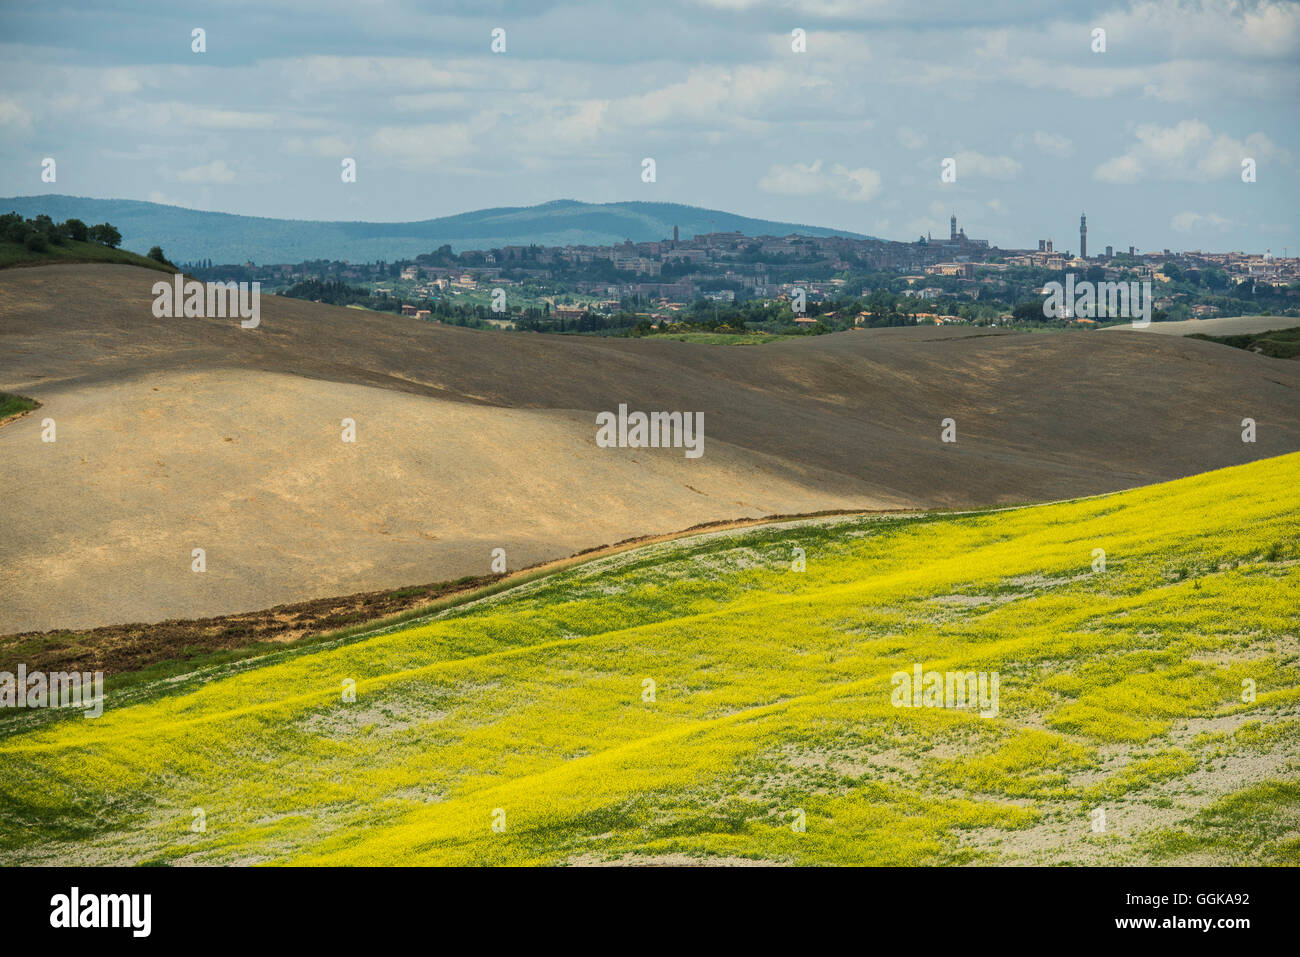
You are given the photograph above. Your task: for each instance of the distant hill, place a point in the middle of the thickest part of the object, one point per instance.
(189, 234)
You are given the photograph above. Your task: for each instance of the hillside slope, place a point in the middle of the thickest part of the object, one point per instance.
(191, 234)
(696, 701)
(14, 255)
(1221, 326)
(176, 434)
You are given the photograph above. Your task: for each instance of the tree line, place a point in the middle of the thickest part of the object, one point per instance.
(41, 232)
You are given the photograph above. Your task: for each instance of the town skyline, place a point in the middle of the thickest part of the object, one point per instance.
(957, 279)
(1047, 241)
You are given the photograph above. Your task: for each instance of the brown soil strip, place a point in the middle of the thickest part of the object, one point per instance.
(116, 649)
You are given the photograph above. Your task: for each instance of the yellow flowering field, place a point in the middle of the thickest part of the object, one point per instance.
(761, 695)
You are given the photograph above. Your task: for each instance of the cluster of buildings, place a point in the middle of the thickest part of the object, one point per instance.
(726, 266)
(688, 269)
(1266, 269)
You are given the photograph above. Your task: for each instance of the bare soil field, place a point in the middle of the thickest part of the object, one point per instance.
(176, 434)
(1222, 326)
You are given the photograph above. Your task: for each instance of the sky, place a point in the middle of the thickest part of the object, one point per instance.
(1147, 137)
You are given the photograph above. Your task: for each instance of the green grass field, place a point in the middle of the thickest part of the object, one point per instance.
(16, 254)
(1147, 712)
(1279, 343)
(11, 404)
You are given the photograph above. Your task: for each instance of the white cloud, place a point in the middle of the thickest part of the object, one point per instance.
(811, 179)
(1188, 151)
(14, 116)
(582, 125)
(171, 115)
(422, 146)
(1198, 222)
(728, 96)
(334, 147)
(423, 102)
(1119, 169)
(313, 75)
(211, 119)
(971, 163)
(1054, 144)
(866, 183)
(1255, 28)
(157, 196)
(120, 80)
(910, 138)
(215, 172)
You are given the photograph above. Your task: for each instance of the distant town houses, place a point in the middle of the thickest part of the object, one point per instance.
(960, 275)
(965, 270)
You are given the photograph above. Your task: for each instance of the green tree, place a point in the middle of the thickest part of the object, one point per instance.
(106, 235)
(1031, 311)
(76, 230)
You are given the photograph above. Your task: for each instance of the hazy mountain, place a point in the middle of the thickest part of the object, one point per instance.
(191, 234)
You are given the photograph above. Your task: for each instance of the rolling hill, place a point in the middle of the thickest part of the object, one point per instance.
(188, 235)
(1221, 326)
(704, 701)
(177, 434)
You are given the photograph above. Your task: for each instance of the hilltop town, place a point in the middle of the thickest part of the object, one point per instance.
(950, 279)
